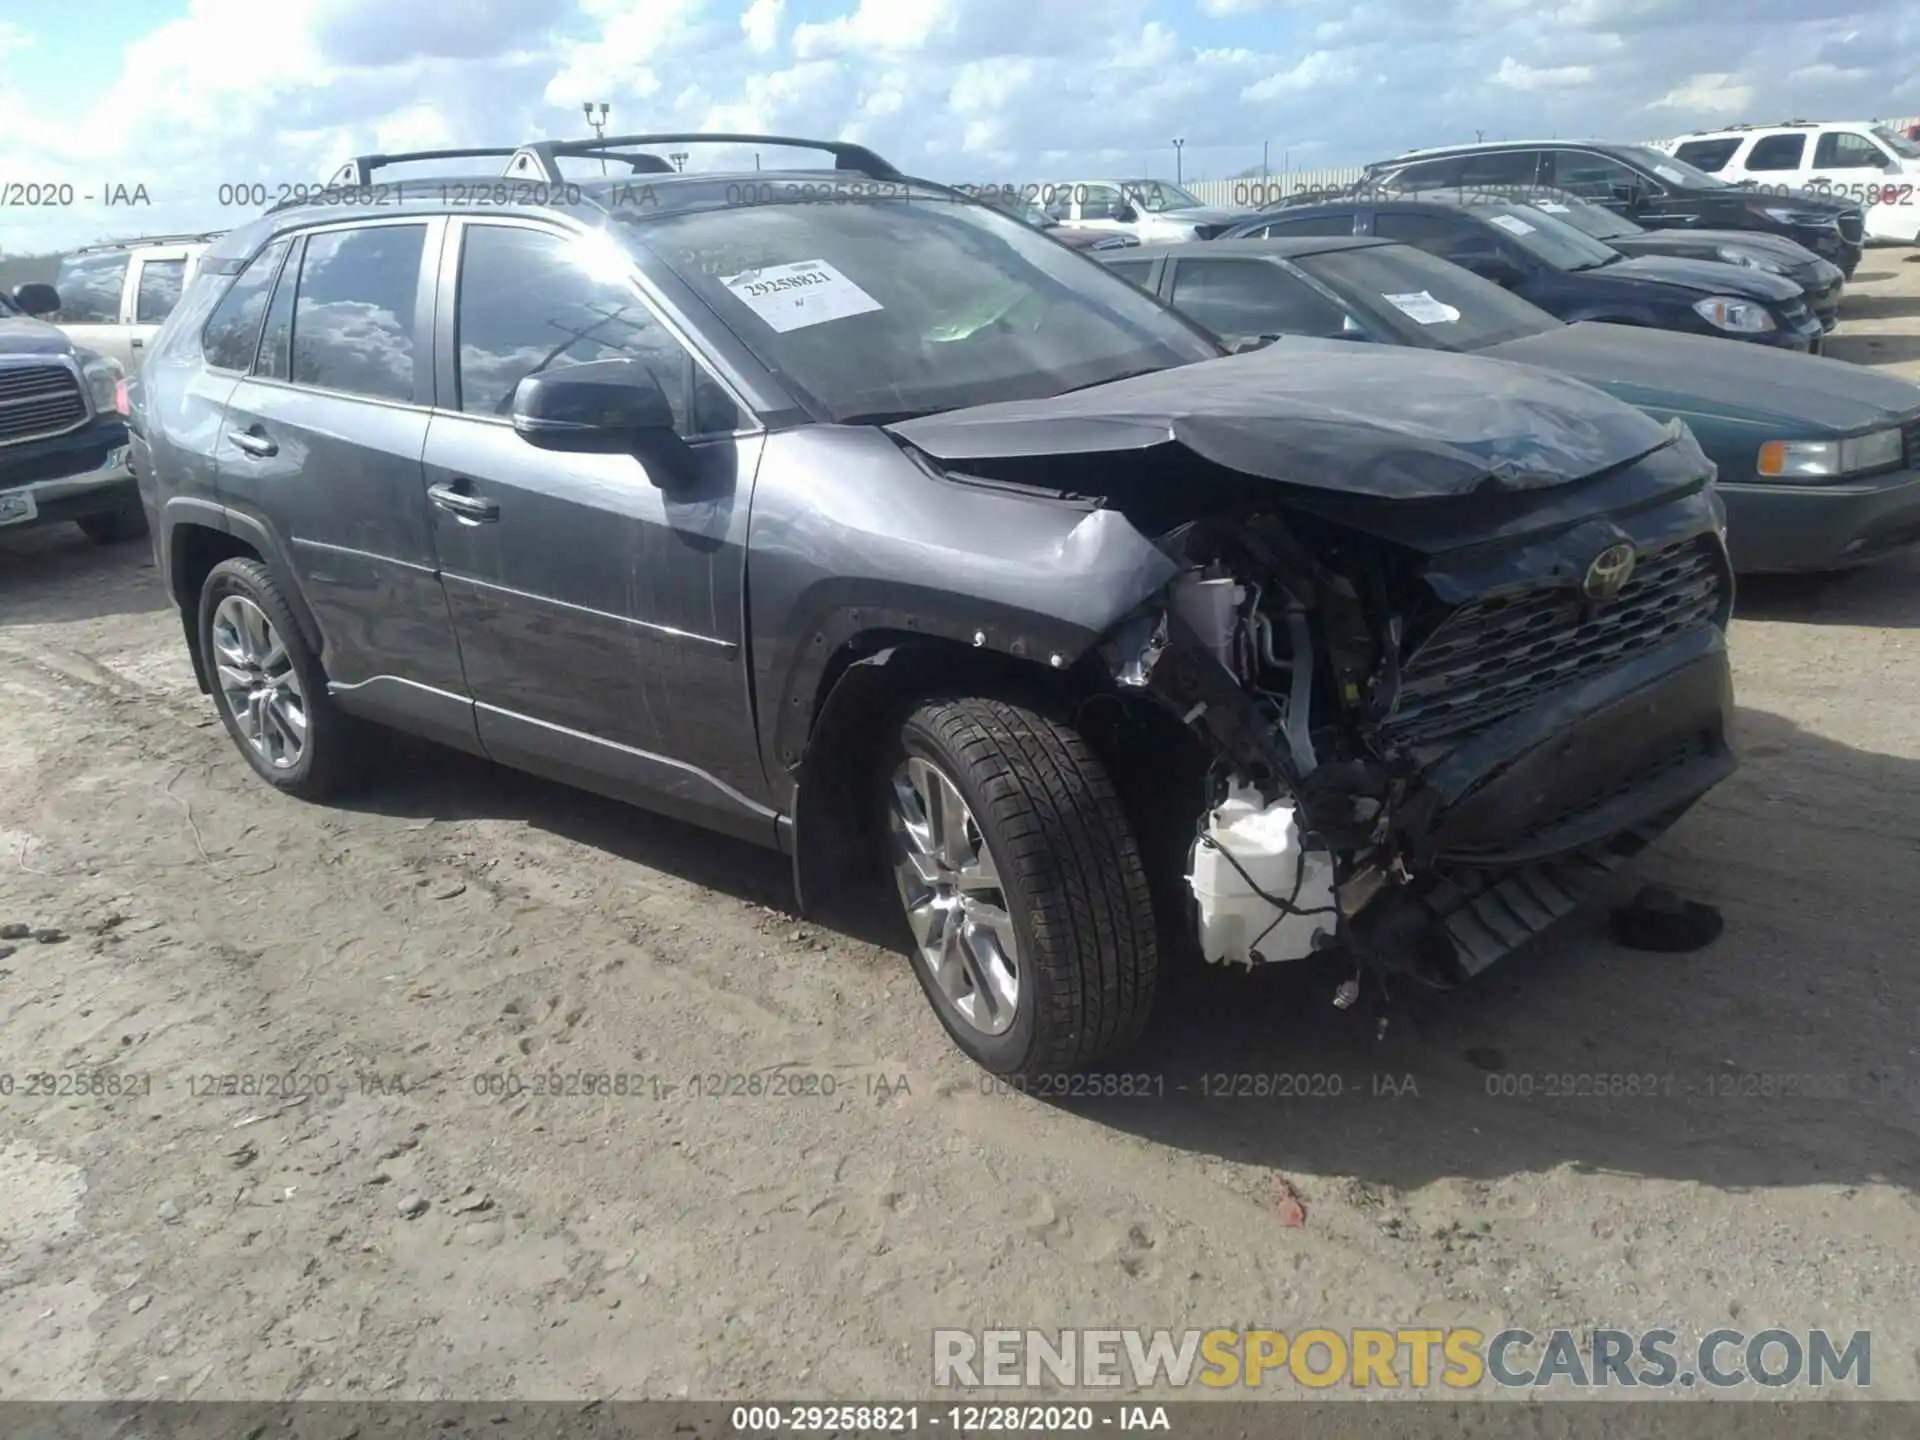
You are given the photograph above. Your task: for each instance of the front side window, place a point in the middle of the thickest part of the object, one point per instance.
(1777, 152)
(1438, 234)
(1905, 146)
(233, 330)
(1595, 176)
(1707, 154)
(887, 309)
(1501, 167)
(160, 284)
(353, 314)
(90, 287)
(1422, 300)
(1153, 196)
(1846, 150)
(532, 301)
(1427, 174)
(1340, 222)
(1254, 297)
(1100, 202)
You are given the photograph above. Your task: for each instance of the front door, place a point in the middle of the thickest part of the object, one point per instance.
(599, 615)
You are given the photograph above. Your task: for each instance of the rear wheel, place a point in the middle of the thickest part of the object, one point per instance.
(268, 685)
(1022, 885)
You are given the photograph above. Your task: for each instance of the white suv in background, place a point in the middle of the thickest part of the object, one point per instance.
(1859, 160)
(114, 296)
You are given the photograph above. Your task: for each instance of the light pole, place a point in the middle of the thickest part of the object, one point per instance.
(679, 159)
(599, 126)
(1176, 160)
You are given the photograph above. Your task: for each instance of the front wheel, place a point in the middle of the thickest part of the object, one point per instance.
(1022, 884)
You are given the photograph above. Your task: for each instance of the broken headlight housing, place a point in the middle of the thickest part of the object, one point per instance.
(1829, 459)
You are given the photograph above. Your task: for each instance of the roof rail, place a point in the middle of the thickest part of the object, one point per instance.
(359, 170)
(540, 158)
(185, 237)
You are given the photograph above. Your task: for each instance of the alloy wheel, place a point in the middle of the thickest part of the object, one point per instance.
(951, 889)
(258, 680)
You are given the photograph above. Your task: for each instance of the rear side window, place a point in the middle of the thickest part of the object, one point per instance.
(89, 287)
(1845, 150)
(234, 327)
(529, 302)
(160, 284)
(1135, 272)
(1426, 175)
(1501, 167)
(1777, 152)
(1340, 223)
(353, 314)
(1253, 297)
(1708, 155)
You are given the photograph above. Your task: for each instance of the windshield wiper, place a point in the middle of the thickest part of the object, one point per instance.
(1112, 379)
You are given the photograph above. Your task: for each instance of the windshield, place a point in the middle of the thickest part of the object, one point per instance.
(1669, 168)
(1158, 195)
(1546, 237)
(1900, 145)
(880, 309)
(1586, 217)
(1420, 299)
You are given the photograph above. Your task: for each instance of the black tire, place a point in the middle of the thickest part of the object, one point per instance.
(110, 527)
(335, 743)
(1071, 876)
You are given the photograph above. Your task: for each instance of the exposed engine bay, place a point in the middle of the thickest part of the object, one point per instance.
(1344, 699)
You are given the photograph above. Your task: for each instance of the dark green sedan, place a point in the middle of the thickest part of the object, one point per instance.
(1819, 460)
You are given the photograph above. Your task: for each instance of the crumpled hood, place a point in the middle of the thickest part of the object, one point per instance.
(1666, 370)
(22, 335)
(1710, 277)
(1326, 414)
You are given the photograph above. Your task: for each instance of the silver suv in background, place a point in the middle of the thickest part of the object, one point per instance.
(114, 296)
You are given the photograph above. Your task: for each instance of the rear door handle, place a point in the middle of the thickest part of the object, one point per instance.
(474, 509)
(253, 443)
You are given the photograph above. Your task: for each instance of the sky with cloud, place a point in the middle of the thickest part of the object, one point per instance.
(183, 96)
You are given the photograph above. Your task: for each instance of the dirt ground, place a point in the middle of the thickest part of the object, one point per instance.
(403, 1230)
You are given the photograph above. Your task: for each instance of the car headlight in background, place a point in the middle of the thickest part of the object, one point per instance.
(1745, 317)
(1787, 215)
(1827, 459)
(1751, 260)
(103, 376)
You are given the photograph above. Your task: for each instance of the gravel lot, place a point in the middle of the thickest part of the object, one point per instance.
(406, 1233)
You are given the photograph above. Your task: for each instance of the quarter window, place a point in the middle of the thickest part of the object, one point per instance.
(1135, 272)
(1846, 150)
(89, 287)
(1777, 152)
(234, 327)
(353, 327)
(160, 285)
(531, 301)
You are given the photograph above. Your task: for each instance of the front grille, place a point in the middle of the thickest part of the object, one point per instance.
(1853, 226)
(1495, 657)
(38, 400)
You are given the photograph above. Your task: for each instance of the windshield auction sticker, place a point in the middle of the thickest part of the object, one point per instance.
(1419, 305)
(1512, 224)
(807, 292)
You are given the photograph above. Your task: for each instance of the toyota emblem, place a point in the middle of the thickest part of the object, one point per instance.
(1608, 573)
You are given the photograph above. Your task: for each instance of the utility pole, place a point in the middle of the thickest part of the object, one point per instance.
(1263, 160)
(1478, 136)
(599, 126)
(1177, 144)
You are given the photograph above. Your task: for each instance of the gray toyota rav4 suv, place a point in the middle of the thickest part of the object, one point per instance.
(830, 509)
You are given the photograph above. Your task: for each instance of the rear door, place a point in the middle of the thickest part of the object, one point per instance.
(600, 616)
(321, 442)
(154, 287)
(93, 300)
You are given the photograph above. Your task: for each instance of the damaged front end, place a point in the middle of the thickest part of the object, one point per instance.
(1447, 636)
(1427, 761)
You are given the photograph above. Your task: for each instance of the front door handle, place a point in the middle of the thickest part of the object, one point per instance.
(474, 509)
(253, 443)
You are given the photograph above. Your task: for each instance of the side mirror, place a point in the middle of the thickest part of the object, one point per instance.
(604, 407)
(37, 297)
(1631, 196)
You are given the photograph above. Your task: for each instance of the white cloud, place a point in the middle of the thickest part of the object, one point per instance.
(1711, 94)
(1319, 69)
(1516, 76)
(760, 23)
